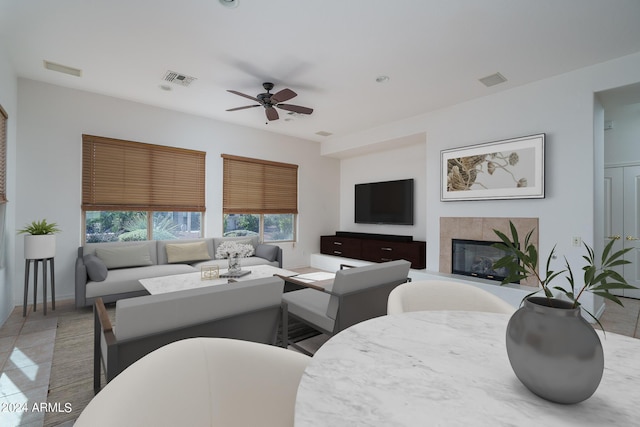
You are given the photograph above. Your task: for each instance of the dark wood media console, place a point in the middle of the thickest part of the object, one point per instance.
(375, 247)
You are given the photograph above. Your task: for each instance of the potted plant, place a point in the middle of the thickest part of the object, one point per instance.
(39, 239)
(552, 349)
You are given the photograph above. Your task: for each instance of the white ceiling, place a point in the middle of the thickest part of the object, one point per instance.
(329, 52)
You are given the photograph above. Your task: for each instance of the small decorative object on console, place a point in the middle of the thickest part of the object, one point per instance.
(209, 272)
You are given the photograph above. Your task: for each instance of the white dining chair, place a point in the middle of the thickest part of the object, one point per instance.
(444, 295)
(202, 382)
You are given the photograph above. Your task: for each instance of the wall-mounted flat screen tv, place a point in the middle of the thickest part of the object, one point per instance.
(388, 202)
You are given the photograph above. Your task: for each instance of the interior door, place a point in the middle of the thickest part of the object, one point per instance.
(631, 228)
(613, 210)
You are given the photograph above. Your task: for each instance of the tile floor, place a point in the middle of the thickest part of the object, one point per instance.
(26, 352)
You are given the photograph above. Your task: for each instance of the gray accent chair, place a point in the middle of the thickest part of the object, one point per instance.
(243, 310)
(357, 294)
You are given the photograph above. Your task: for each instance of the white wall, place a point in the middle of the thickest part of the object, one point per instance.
(562, 107)
(9, 101)
(53, 119)
(387, 165)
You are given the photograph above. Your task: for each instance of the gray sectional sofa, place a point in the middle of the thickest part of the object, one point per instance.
(112, 270)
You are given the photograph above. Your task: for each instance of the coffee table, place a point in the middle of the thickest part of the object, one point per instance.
(179, 282)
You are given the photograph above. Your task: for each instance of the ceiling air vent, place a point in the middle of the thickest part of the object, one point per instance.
(177, 78)
(62, 68)
(492, 80)
(323, 133)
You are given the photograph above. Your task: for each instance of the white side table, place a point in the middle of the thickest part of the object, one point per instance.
(27, 266)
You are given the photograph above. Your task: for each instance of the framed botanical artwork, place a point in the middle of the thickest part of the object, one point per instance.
(508, 169)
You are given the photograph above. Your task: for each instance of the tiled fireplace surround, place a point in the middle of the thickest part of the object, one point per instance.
(481, 228)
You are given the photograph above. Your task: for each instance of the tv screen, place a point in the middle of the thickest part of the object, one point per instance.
(388, 202)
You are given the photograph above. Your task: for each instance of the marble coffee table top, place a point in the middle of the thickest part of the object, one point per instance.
(179, 282)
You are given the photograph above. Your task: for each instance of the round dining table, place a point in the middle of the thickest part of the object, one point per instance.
(450, 368)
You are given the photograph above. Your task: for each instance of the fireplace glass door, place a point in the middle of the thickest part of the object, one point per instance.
(475, 258)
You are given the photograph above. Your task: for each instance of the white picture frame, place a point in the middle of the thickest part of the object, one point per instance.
(507, 169)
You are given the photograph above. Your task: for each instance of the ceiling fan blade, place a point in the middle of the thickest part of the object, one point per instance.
(271, 113)
(283, 95)
(295, 108)
(242, 94)
(242, 108)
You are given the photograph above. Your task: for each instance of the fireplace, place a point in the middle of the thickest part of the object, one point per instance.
(475, 258)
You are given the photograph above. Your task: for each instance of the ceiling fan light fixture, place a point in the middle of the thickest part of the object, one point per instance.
(231, 4)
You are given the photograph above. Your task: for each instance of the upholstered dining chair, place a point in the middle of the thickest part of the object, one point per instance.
(426, 295)
(357, 294)
(202, 382)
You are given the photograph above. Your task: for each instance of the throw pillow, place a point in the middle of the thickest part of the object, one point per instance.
(125, 256)
(96, 269)
(268, 252)
(187, 252)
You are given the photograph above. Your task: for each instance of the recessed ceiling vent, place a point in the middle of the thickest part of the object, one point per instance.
(493, 79)
(323, 133)
(179, 79)
(62, 68)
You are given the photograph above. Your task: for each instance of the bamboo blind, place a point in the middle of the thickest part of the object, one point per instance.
(259, 186)
(3, 155)
(126, 175)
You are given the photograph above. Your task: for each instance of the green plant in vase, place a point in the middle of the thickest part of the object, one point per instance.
(552, 349)
(39, 228)
(598, 279)
(39, 239)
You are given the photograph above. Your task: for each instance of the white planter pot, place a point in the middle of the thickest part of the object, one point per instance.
(40, 246)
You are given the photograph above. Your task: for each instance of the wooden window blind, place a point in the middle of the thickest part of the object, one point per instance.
(259, 186)
(3, 155)
(125, 175)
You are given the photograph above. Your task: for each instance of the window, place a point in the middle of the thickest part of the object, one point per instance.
(136, 191)
(260, 198)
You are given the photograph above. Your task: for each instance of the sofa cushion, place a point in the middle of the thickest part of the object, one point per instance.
(124, 256)
(162, 247)
(96, 268)
(187, 252)
(268, 252)
(90, 248)
(310, 304)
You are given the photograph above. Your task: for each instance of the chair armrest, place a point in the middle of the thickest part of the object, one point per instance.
(103, 356)
(305, 284)
(103, 316)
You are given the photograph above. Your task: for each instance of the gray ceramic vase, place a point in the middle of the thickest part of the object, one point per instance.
(553, 351)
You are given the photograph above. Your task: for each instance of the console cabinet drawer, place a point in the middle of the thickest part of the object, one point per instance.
(375, 250)
(341, 246)
(382, 251)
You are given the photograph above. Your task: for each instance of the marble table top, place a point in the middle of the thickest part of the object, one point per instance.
(447, 368)
(179, 282)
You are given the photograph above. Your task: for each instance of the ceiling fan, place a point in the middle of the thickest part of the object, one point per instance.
(270, 100)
